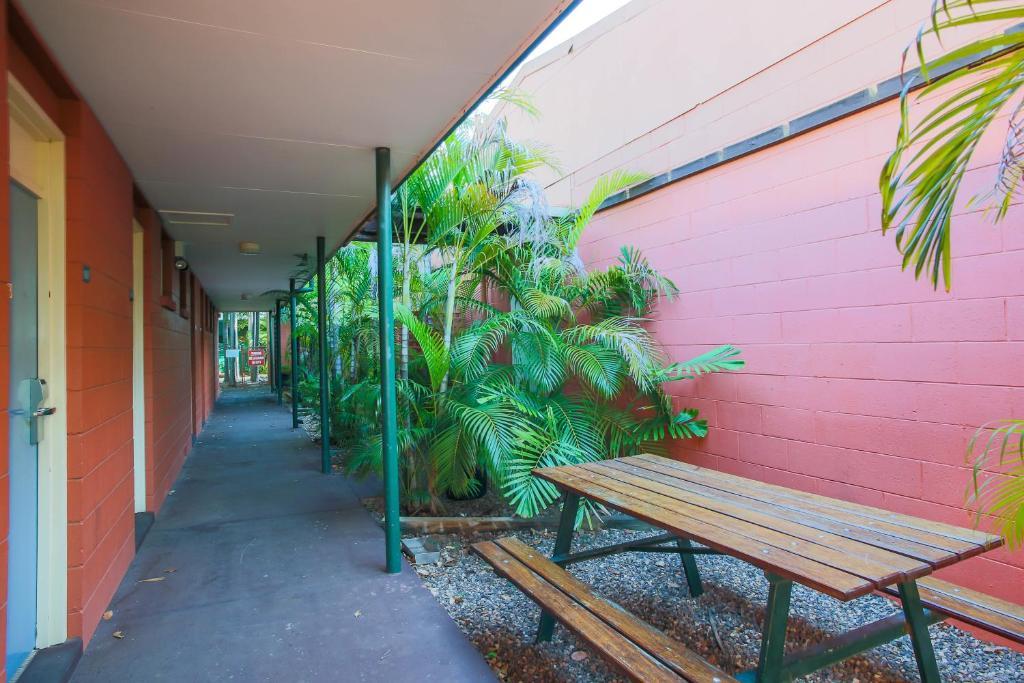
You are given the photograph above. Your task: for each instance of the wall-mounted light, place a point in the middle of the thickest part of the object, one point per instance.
(249, 248)
(180, 263)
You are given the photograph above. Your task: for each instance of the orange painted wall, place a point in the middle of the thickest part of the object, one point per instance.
(99, 316)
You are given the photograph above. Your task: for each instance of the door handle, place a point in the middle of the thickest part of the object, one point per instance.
(43, 412)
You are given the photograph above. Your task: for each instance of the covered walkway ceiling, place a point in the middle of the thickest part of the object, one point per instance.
(263, 114)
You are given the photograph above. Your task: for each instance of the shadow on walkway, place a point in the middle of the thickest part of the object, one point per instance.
(270, 571)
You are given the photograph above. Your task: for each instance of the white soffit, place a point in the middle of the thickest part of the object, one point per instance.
(268, 111)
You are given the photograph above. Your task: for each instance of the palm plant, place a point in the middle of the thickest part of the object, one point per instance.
(352, 342)
(555, 368)
(978, 85)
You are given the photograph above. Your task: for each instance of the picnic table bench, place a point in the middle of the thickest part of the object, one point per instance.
(841, 549)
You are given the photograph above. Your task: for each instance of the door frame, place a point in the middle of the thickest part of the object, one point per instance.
(139, 363)
(49, 184)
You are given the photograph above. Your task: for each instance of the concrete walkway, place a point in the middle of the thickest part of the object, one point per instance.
(278, 575)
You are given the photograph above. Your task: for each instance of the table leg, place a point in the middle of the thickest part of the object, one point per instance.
(690, 567)
(773, 638)
(917, 625)
(563, 544)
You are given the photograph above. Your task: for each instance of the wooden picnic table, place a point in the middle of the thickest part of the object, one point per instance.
(842, 549)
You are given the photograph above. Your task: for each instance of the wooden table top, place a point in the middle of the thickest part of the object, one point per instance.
(841, 549)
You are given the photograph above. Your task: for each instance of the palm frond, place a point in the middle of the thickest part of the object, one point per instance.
(722, 359)
(630, 340)
(572, 227)
(475, 347)
(921, 180)
(545, 305)
(996, 456)
(430, 342)
(600, 367)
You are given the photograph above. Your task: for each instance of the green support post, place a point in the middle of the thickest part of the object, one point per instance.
(773, 638)
(278, 375)
(254, 342)
(917, 625)
(269, 356)
(388, 401)
(293, 374)
(690, 570)
(563, 544)
(325, 375)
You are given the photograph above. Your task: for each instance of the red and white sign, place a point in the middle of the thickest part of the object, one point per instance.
(257, 356)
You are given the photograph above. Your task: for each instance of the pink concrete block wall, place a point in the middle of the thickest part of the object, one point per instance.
(861, 383)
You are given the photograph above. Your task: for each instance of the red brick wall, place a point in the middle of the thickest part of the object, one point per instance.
(202, 341)
(100, 207)
(101, 532)
(860, 384)
(168, 371)
(211, 380)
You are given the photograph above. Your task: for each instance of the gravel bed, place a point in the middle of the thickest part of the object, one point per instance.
(723, 625)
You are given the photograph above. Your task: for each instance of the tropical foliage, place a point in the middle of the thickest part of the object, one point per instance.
(512, 355)
(977, 88)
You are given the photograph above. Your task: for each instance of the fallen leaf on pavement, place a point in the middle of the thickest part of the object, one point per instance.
(118, 634)
(108, 615)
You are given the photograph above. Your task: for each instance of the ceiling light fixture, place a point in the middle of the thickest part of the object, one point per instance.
(249, 248)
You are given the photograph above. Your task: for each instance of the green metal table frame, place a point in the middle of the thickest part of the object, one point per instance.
(774, 664)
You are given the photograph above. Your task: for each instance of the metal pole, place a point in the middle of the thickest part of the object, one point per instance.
(293, 371)
(388, 417)
(277, 353)
(325, 375)
(269, 356)
(254, 341)
(222, 339)
(237, 372)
